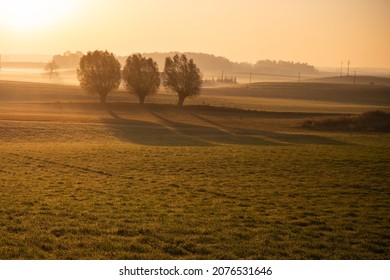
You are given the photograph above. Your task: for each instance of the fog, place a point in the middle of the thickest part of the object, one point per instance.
(37, 76)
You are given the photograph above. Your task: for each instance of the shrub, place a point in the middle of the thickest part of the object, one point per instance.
(376, 121)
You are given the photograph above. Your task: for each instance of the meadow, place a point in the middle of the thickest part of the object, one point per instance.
(231, 175)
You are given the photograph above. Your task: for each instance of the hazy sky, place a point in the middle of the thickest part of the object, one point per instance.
(320, 32)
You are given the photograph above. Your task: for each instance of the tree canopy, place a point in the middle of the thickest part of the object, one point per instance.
(182, 76)
(141, 76)
(99, 73)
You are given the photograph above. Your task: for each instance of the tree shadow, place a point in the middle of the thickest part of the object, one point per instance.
(276, 137)
(162, 130)
(213, 135)
(146, 132)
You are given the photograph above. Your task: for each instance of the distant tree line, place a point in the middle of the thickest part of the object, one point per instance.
(68, 60)
(99, 72)
(225, 80)
(283, 67)
(207, 62)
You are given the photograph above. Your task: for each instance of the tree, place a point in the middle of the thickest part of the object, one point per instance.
(99, 73)
(51, 68)
(141, 76)
(182, 76)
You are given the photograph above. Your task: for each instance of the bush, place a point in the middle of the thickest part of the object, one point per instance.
(375, 121)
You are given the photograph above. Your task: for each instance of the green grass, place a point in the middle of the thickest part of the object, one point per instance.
(119, 201)
(80, 181)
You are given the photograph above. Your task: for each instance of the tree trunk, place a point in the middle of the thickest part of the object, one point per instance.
(181, 100)
(141, 99)
(103, 98)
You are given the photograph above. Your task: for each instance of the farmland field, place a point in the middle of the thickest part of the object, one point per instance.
(232, 175)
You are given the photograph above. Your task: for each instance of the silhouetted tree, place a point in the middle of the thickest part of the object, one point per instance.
(141, 76)
(51, 68)
(99, 73)
(182, 75)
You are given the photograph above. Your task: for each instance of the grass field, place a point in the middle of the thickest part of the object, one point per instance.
(79, 180)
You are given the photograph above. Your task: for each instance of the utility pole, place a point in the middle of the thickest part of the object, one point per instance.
(341, 69)
(222, 76)
(299, 77)
(250, 78)
(354, 78)
(348, 68)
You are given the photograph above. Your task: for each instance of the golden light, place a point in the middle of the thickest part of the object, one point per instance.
(29, 15)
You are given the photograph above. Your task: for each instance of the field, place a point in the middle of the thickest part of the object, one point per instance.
(232, 175)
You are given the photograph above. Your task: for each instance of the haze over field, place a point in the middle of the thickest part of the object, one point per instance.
(321, 33)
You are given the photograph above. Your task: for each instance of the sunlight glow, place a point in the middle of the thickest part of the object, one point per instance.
(29, 15)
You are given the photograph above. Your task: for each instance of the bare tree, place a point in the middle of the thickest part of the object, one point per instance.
(52, 69)
(99, 73)
(141, 76)
(182, 76)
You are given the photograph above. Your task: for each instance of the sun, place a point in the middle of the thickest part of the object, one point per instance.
(29, 15)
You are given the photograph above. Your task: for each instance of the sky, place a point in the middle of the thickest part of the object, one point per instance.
(319, 32)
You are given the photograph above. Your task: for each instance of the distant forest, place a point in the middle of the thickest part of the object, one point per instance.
(283, 67)
(207, 63)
